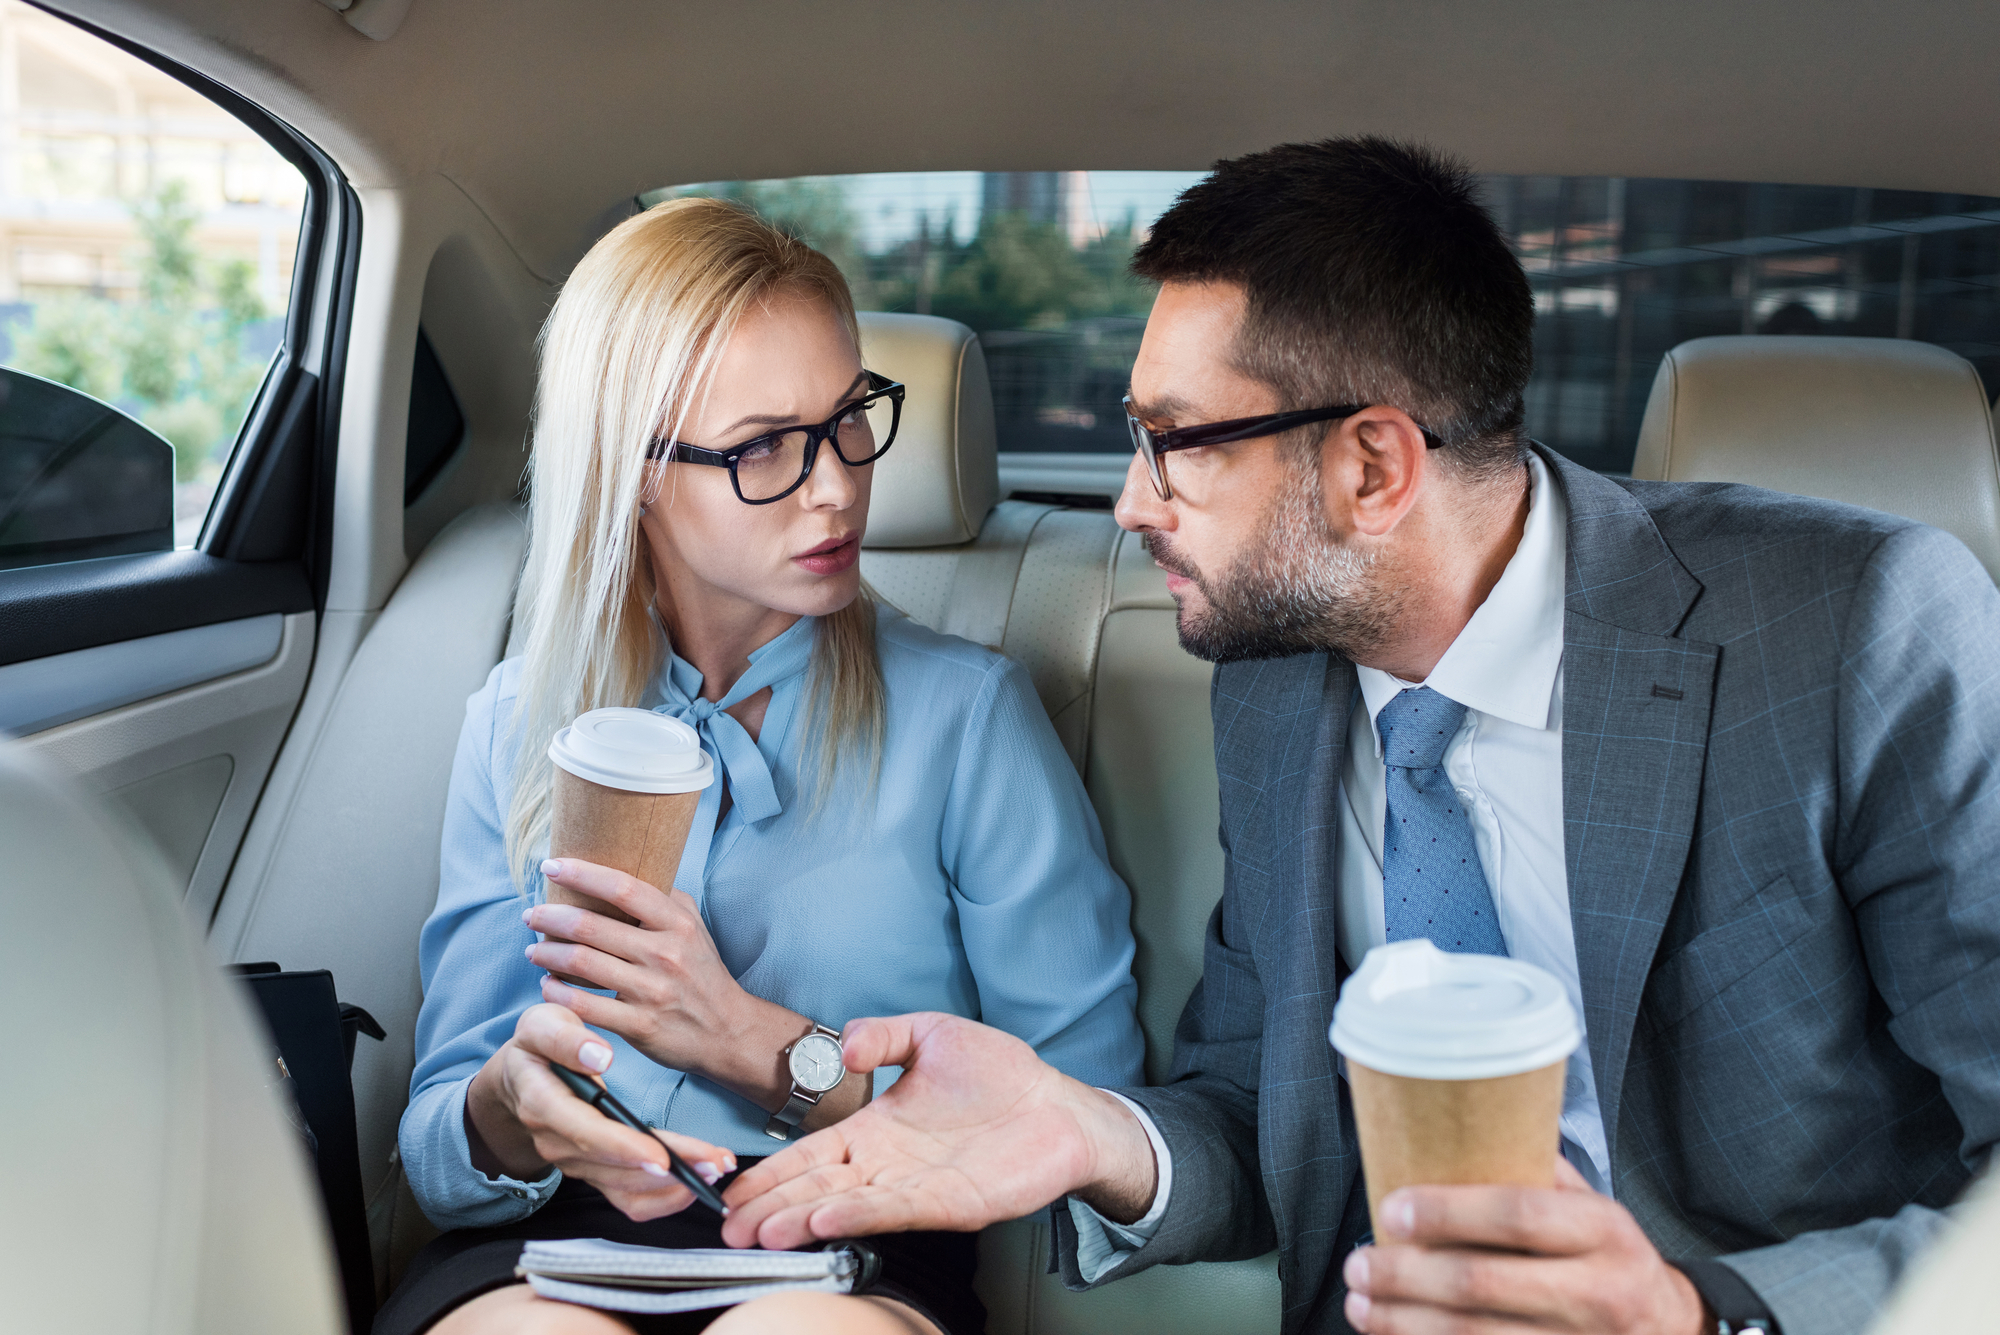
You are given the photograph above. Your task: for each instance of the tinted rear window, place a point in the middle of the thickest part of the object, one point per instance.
(1622, 269)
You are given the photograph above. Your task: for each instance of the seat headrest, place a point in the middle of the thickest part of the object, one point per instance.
(936, 484)
(218, 1225)
(1887, 423)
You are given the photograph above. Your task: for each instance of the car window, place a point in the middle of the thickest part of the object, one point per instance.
(150, 239)
(1622, 270)
(436, 425)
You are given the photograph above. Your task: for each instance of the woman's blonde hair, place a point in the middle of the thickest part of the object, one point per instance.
(625, 357)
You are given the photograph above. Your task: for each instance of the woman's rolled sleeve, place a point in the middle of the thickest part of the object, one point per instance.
(452, 1191)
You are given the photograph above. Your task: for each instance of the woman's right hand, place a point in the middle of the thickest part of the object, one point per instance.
(520, 1120)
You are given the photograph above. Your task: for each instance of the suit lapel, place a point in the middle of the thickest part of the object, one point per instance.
(1636, 705)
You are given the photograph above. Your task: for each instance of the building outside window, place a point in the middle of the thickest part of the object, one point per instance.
(146, 244)
(1622, 271)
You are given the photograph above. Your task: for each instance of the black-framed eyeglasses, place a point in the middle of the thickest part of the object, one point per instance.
(772, 467)
(1152, 444)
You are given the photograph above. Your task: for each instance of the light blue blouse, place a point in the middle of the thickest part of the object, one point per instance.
(971, 879)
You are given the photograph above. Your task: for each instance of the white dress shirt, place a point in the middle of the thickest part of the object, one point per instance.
(1505, 761)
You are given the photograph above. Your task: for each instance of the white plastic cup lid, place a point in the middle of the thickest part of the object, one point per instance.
(1419, 1012)
(634, 750)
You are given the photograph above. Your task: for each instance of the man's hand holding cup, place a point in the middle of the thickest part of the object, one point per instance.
(1456, 1064)
(1514, 1259)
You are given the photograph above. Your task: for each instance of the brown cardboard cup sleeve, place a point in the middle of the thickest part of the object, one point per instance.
(1456, 1065)
(626, 786)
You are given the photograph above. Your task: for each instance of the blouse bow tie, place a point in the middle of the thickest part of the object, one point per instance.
(743, 766)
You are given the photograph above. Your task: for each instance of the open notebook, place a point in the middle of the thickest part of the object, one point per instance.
(624, 1278)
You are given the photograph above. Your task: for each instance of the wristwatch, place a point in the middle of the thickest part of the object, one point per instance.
(814, 1062)
(1728, 1298)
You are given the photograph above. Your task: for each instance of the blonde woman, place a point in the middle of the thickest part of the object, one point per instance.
(897, 828)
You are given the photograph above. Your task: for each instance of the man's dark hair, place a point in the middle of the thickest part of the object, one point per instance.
(1373, 276)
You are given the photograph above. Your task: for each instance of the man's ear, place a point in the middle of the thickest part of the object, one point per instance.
(1373, 465)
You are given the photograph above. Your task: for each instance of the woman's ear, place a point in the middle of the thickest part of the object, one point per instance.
(1373, 466)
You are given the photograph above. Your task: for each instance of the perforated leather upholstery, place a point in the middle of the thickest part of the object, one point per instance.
(1887, 423)
(1152, 779)
(154, 1187)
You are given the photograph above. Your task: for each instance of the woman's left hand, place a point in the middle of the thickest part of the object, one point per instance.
(677, 1001)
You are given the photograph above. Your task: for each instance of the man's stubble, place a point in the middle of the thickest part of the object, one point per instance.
(1299, 590)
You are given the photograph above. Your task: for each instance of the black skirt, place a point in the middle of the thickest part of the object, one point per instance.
(929, 1272)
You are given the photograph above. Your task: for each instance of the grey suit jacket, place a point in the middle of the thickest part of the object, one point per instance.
(1781, 723)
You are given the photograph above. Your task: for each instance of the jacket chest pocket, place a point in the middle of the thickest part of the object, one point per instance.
(1764, 959)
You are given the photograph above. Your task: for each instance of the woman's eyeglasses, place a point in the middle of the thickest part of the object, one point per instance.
(1152, 444)
(772, 467)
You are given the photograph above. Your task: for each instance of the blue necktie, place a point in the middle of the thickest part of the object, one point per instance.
(1432, 884)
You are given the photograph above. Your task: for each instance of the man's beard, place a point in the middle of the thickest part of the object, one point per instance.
(1299, 591)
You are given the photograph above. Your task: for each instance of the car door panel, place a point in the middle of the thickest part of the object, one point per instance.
(44, 692)
(56, 609)
(189, 764)
(168, 680)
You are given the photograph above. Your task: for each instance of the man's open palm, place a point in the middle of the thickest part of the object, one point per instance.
(977, 1130)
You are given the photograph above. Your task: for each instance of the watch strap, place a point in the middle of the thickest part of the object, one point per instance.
(786, 1120)
(801, 1100)
(1728, 1298)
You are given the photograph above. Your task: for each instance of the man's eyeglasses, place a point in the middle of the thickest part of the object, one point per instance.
(1152, 444)
(772, 467)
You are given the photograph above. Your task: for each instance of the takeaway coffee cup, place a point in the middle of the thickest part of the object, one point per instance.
(627, 782)
(1456, 1064)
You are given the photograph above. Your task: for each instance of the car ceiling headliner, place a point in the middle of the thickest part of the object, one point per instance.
(549, 114)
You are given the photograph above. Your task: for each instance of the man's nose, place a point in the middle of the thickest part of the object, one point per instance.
(1139, 504)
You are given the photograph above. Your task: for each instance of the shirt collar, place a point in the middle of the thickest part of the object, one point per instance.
(1504, 662)
(778, 659)
(745, 768)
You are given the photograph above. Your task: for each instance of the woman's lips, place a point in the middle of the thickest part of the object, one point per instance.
(832, 556)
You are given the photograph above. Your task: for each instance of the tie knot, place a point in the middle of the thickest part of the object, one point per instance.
(1416, 727)
(696, 712)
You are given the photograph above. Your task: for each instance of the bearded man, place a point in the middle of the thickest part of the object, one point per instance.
(1726, 759)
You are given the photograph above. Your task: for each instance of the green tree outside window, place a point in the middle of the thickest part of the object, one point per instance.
(175, 357)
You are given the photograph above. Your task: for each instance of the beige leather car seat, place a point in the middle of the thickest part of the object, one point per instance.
(341, 871)
(1891, 424)
(1077, 602)
(1954, 1285)
(154, 1186)
(340, 867)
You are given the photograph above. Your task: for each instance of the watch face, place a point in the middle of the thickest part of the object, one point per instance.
(816, 1063)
